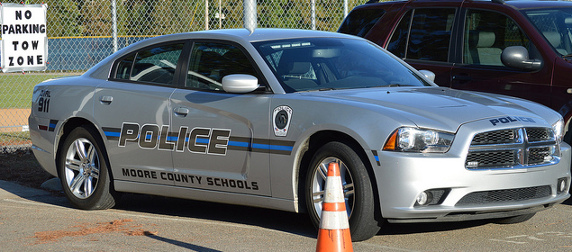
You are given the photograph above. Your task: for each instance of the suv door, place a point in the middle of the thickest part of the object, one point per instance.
(485, 35)
(423, 37)
(219, 134)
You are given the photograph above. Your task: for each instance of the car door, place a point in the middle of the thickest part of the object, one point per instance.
(221, 137)
(134, 112)
(486, 34)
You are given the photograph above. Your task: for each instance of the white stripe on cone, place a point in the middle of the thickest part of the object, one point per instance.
(334, 220)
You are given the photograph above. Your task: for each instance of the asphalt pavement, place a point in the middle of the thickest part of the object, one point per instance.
(40, 220)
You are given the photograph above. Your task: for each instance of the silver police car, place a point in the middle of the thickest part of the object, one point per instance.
(255, 118)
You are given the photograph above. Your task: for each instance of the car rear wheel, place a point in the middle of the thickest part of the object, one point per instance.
(356, 186)
(82, 169)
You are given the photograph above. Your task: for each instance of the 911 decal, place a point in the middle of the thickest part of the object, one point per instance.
(44, 101)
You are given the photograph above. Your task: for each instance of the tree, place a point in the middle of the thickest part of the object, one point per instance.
(63, 19)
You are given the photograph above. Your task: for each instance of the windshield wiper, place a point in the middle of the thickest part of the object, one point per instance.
(320, 89)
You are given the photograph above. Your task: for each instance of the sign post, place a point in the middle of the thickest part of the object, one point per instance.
(24, 44)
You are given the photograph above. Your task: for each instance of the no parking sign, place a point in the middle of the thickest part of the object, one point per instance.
(24, 40)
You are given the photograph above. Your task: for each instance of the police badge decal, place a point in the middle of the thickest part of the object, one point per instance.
(281, 120)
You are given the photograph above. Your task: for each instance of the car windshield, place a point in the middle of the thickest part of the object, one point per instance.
(556, 26)
(311, 64)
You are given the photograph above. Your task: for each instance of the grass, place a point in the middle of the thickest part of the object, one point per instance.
(16, 88)
(15, 136)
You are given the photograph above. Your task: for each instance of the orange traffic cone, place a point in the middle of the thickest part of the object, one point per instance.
(334, 234)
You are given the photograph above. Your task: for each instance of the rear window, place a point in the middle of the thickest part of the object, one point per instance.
(359, 22)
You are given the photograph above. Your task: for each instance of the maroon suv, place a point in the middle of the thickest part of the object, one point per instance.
(517, 48)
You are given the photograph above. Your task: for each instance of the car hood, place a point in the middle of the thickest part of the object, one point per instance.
(437, 107)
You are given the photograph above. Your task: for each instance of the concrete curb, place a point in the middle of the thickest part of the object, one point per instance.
(53, 184)
(13, 190)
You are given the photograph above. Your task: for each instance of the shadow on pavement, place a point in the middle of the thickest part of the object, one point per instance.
(293, 223)
(183, 244)
(13, 190)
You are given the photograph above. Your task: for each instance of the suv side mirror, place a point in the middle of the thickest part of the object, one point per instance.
(239, 83)
(517, 57)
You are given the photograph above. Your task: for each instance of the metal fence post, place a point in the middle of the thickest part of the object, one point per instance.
(313, 7)
(250, 15)
(206, 15)
(114, 21)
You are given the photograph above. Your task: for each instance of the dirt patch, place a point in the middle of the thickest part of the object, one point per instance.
(14, 120)
(23, 168)
(124, 226)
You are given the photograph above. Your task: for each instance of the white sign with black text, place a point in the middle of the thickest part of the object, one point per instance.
(24, 40)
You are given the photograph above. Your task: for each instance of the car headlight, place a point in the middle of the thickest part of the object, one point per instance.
(558, 129)
(408, 139)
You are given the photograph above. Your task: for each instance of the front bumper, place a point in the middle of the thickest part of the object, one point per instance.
(497, 193)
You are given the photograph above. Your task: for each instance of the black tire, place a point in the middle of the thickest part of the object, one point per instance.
(83, 170)
(358, 191)
(515, 219)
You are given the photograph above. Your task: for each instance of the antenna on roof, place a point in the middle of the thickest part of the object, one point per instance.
(249, 7)
(498, 1)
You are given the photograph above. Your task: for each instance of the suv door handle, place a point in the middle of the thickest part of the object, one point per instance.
(180, 111)
(462, 78)
(106, 99)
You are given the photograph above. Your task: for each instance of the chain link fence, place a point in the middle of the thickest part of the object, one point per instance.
(81, 33)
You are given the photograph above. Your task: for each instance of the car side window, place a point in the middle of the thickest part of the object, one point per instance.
(359, 22)
(426, 36)
(156, 65)
(210, 62)
(487, 33)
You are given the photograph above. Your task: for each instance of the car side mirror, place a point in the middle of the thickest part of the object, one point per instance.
(517, 57)
(428, 74)
(239, 83)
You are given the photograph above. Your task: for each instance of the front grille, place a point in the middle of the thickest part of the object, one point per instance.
(495, 137)
(508, 195)
(512, 148)
(538, 134)
(504, 158)
(538, 155)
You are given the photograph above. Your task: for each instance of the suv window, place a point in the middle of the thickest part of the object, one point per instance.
(426, 36)
(155, 65)
(487, 33)
(555, 25)
(359, 22)
(210, 62)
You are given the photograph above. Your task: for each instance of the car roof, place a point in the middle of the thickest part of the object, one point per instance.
(261, 34)
(243, 36)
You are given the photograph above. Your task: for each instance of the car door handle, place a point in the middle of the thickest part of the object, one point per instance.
(181, 111)
(106, 99)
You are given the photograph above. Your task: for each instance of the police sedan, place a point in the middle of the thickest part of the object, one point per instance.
(255, 118)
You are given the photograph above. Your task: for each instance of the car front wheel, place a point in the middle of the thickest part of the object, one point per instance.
(356, 185)
(82, 169)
